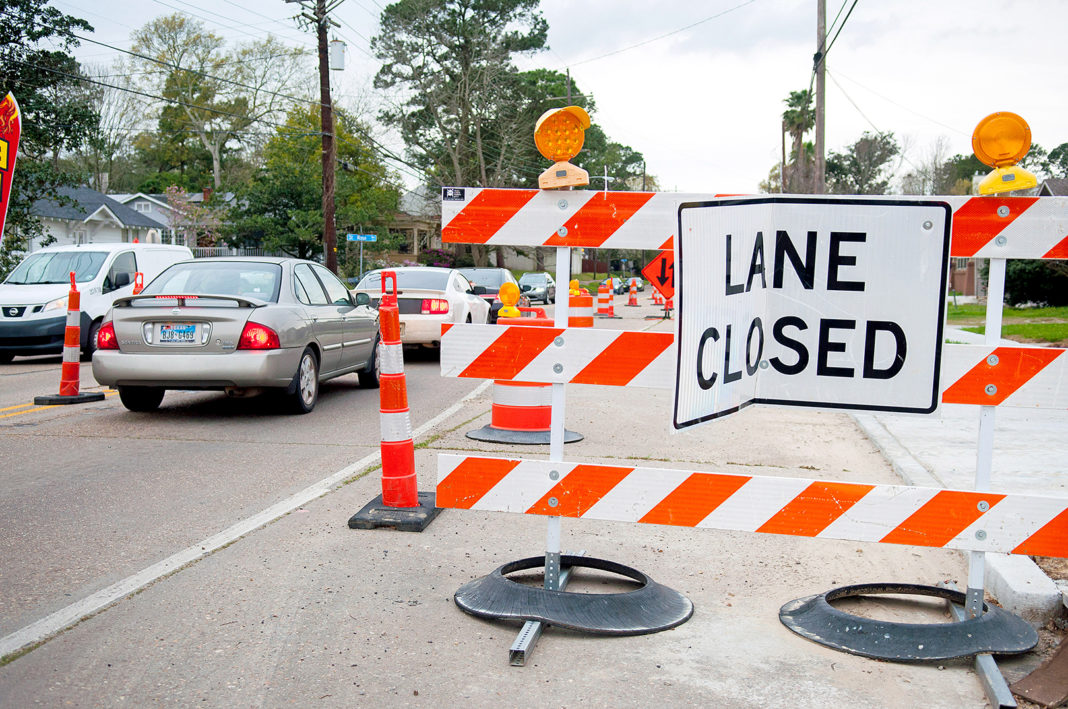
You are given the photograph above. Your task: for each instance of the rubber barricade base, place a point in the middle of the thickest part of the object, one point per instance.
(489, 434)
(650, 608)
(83, 398)
(376, 515)
(995, 631)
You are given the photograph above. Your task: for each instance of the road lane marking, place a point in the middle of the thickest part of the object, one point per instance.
(62, 619)
(30, 408)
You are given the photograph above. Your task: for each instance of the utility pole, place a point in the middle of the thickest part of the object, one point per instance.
(821, 70)
(319, 17)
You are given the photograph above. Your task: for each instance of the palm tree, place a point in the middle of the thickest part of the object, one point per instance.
(798, 119)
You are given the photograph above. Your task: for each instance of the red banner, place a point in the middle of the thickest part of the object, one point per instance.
(10, 130)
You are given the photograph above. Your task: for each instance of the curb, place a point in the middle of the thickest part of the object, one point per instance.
(1015, 581)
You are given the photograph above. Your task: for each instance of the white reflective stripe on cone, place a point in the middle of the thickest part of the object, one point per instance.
(396, 426)
(71, 354)
(507, 394)
(74, 318)
(391, 359)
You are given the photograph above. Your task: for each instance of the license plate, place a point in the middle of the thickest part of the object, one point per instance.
(177, 333)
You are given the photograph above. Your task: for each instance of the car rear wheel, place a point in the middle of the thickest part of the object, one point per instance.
(90, 342)
(305, 384)
(141, 398)
(369, 377)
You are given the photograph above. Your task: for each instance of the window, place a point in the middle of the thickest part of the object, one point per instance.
(307, 286)
(122, 272)
(335, 289)
(55, 267)
(241, 278)
(142, 206)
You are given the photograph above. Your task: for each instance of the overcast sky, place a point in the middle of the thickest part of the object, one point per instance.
(698, 87)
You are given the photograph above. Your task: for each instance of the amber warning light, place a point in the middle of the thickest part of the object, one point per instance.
(1001, 140)
(559, 135)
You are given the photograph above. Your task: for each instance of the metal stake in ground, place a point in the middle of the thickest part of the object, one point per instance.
(70, 374)
(400, 506)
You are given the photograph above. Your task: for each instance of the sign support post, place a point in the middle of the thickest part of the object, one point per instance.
(362, 238)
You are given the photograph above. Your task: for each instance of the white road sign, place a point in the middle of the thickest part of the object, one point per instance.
(833, 303)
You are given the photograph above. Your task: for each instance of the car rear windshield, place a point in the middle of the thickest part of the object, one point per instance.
(489, 277)
(430, 280)
(55, 267)
(244, 279)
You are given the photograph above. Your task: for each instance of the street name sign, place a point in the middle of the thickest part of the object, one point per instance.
(797, 301)
(363, 237)
(660, 272)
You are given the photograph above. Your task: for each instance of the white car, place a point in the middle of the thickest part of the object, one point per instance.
(427, 298)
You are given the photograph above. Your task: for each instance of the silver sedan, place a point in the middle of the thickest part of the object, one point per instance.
(241, 325)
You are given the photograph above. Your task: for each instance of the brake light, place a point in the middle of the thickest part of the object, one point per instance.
(434, 306)
(258, 337)
(105, 337)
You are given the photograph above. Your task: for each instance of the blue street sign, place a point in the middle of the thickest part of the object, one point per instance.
(363, 237)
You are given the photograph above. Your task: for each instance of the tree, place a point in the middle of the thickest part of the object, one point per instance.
(210, 92)
(461, 110)
(281, 207)
(865, 167)
(798, 119)
(119, 111)
(932, 174)
(35, 63)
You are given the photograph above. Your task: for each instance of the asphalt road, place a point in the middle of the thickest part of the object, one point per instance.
(92, 493)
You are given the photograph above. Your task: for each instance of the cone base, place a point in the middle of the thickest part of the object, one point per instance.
(489, 434)
(376, 515)
(83, 398)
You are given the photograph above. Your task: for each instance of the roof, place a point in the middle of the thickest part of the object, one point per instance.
(87, 203)
(126, 198)
(419, 202)
(110, 246)
(1056, 187)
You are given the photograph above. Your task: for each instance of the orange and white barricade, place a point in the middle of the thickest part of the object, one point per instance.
(70, 372)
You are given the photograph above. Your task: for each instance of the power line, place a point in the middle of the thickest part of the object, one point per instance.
(660, 37)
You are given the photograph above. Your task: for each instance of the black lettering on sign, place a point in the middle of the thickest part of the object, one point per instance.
(703, 381)
(752, 363)
(802, 352)
(805, 270)
(731, 289)
(756, 265)
(873, 329)
(728, 375)
(826, 346)
(837, 259)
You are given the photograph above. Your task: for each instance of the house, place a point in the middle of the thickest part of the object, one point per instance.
(1054, 187)
(154, 206)
(87, 216)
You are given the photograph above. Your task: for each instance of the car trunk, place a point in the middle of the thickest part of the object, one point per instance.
(204, 328)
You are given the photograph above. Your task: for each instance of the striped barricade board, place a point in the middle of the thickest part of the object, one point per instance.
(1030, 377)
(893, 514)
(983, 227)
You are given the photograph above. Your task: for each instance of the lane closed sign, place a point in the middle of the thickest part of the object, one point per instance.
(797, 301)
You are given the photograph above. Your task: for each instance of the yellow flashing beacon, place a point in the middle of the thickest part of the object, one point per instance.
(1000, 141)
(509, 296)
(559, 135)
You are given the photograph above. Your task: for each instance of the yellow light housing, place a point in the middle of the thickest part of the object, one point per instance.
(559, 135)
(1001, 140)
(560, 132)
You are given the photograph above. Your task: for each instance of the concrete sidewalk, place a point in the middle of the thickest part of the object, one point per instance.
(307, 612)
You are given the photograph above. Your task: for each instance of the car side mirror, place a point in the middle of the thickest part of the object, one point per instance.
(363, 299)
(524, 288)
(122, 279)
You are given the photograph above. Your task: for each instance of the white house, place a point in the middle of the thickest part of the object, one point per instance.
(87, 216)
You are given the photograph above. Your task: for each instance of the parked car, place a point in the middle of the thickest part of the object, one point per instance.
(33, 298)
(242, 325)
(538, 286)
(617, 284)
(428, 297)
(492, 279)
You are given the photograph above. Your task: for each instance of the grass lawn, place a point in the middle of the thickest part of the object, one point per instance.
(1042, 325)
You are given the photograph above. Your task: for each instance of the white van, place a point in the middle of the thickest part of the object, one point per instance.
(33, 299)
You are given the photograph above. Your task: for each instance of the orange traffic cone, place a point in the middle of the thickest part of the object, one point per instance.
(70, 372)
